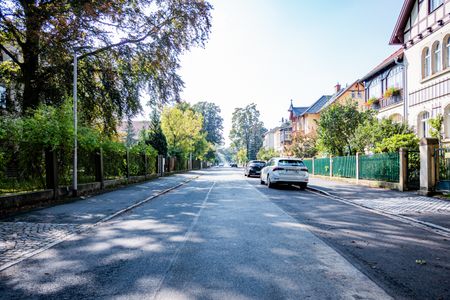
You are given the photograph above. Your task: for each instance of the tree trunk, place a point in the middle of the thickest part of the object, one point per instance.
(30, 51)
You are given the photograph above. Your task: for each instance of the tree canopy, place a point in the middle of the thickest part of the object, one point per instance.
(212, 121)
(124, 47)
(247, 130)
(336, 127)
(182, 128)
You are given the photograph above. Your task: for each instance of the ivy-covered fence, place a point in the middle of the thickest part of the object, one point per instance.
(380, 166)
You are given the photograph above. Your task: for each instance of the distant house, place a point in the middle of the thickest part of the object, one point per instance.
(278, 138)
(136, 127)
(295, 114)
(353, 92)
(269, 138)
(423, 30)
(304, 119)
(384, 86)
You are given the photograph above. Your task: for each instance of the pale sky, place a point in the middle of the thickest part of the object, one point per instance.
(271, 51)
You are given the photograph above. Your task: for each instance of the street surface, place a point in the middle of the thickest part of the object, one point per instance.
(225, 236)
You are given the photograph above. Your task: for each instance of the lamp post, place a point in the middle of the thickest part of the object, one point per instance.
(75, 123)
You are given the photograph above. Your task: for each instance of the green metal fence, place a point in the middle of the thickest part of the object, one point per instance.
(308, 163)
(382, 166)
(322, 166)
(344, 166)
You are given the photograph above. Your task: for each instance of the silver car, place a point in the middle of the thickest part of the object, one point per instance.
(285, 171)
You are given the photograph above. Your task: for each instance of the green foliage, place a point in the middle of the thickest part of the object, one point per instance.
(266, 154)
(392, 91)
(304, 146)
(373, 130)
(212, 121)
(182, 129)
(154, 136)
(373, 100)
(112, 73)
(336, 127)
(397, 141)
(247, 130)
(436, 127)
(241, 157)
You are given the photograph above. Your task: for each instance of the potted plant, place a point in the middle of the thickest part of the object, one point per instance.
(374, 101)
(391, 92)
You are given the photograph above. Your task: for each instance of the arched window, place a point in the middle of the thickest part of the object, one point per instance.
(426, 63)
(447, 52)
(437, 57)
(447, 122)
(423, 126)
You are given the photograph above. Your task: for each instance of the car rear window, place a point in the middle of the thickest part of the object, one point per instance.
(257, 164)
(290, 163)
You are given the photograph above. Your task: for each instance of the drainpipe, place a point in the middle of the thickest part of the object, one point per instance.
(405, 89)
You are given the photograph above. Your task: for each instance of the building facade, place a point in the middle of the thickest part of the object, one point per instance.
(353, 92)
(384, 87)
(424, 32)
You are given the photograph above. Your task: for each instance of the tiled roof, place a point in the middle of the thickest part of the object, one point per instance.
(298, 111)
(318, 105)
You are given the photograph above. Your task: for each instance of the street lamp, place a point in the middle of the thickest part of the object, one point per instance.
(75, 121)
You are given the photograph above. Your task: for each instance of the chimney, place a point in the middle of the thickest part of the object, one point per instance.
(337, 87)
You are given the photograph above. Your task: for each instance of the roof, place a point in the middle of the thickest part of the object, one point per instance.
(340, 93)
(318, 105)
(385, 63)
(397, 37)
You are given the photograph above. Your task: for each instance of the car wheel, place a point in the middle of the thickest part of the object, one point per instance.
(303, 185)
(270, 185)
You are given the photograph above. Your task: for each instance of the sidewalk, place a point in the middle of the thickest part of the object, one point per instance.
(405, 204)
(24, 235)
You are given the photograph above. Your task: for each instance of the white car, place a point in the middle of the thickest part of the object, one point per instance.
(285, 171)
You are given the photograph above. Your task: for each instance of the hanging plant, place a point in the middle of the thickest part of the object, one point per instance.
(391, 92)
(372, 101)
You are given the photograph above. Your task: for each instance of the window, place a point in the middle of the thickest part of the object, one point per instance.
(375, 88)
(434, 4)
(437, 57)
(395, 78)
(447, 122)
(447, 52)
(423, 124)
(426, 63)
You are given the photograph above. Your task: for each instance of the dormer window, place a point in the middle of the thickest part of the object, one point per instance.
(434, 4)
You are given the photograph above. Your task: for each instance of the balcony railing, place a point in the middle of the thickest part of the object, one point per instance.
(390, 101)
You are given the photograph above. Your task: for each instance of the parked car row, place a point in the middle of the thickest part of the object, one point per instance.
(278, 170)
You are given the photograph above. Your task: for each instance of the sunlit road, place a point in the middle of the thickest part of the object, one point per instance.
(221, 236)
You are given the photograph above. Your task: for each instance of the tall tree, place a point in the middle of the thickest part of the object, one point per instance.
(212, 121)
(127, 46)
(155, 136)
(247, 130)
(182, 129)
(337, 125)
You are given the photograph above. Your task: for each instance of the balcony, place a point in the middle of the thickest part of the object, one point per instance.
(287, 137)
(390, 101)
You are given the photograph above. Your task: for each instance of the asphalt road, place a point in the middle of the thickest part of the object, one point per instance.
(224, 236)
(384, 249)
